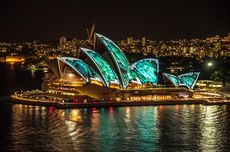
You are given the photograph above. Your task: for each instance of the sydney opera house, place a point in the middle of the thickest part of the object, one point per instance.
(104, 73)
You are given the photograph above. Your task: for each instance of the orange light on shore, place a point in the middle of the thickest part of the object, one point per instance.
(15, 59)
(210, 64)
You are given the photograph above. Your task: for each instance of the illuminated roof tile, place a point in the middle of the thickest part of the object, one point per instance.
(84, 70)
(106, 72)
(120, 60)
(146, 70)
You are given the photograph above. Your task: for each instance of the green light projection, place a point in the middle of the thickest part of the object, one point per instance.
(174, 79)
(146, 70)
(119, 58)
(189, 79)
(84, 70)
(105, 69)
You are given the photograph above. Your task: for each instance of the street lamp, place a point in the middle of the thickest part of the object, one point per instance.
(210, 64)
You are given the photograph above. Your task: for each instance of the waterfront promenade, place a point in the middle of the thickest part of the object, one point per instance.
(64, 105)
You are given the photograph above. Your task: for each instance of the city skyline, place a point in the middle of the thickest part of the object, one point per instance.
(41, 20)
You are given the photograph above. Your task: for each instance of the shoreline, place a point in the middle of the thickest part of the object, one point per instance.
(66, 105)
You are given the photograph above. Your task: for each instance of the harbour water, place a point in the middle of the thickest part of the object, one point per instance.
(147, 128)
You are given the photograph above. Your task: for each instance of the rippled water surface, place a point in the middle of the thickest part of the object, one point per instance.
(33, 128)
(147, 128)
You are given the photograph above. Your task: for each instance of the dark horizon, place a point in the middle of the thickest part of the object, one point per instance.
(48, 20)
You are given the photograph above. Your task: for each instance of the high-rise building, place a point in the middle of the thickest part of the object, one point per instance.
(143, 41)
(130, 40)
(62, 41)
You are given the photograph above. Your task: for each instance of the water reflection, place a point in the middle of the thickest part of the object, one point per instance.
(15, 79)
(32, 73)
(160, 128)
(211, 129)
(11, 65)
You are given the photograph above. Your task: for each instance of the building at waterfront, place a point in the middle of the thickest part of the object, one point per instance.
(13, 57)
(104, 73)
(209, 85)
(62, 41)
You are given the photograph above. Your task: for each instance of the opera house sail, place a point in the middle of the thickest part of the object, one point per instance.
(146, 70)
(103, 72)
(115, 57)
(102, 66)
(81, 68)
(187, 79)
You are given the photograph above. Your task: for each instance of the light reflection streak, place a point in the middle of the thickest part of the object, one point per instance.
(153, 126)
(210, 130)
(111, 109)
(33, 74)
(127, 116)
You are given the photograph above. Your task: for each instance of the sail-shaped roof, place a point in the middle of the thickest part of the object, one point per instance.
(146, 70)
(105, 70)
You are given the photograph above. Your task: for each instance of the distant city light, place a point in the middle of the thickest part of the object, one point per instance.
(210, 64)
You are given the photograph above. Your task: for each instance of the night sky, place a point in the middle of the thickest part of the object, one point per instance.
(47, 20)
